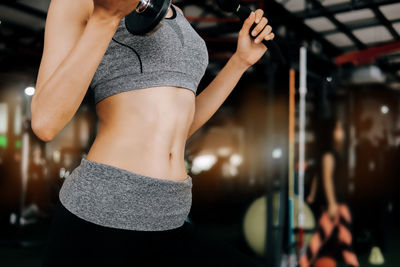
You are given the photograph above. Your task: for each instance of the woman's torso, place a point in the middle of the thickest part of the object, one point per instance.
(145, 131)
(338, 179)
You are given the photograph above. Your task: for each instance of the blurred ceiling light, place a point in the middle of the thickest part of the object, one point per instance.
(236, 159)
(373, 34)
(56, 156)
(29, 90)
(391, 11)
(3, 118)
(229, 171)
(385, 109)
(368, 74)
(395, 85)
(224, 151)
(63, 173)
(18, 119)
(394, 60)
(277, 153)
(339, 39)
(320, 24)
(293, 5)
(329, 79)
(355, 15)
(203, 163)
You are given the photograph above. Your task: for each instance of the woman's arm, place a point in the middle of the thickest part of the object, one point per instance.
(313, 190)
(248, 52)
(218, 90)
(212, 97)
(328, 164)
(76, 38)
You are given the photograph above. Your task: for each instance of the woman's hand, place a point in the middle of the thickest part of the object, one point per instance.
(310, 199)
(115, 8)
(333, 210)
(249, 50)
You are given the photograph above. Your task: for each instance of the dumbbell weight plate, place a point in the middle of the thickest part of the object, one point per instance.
(148, 21)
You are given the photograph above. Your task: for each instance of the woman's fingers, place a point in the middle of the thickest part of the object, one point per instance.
(260, 26)
(262, 30)
(259, 13)
(270, 36)
(247, 24)
(266, 34)
(260, 21)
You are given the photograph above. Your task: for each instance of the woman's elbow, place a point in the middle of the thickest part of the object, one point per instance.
(41, 130)
(40, 126)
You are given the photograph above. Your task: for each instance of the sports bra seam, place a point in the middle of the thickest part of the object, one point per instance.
(145, 73)
(135, 88)
(137, 54)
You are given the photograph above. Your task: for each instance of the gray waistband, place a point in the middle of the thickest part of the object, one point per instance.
(117, 198)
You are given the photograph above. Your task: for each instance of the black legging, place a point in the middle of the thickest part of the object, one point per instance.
(76, 242)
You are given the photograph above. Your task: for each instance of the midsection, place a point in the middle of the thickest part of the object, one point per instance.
(144, 131)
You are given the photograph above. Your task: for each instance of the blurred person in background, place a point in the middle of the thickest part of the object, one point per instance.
(328, 194)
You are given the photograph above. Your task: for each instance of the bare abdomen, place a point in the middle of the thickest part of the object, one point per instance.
(145, 131)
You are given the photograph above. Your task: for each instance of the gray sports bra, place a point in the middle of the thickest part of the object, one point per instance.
(175, 55)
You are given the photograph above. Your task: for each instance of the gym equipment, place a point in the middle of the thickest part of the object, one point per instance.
(300, 216)
(254, 222)
(146, 18)
(302, 130)
(243, 13)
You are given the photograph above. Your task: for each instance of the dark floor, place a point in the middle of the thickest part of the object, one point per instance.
(20, 248)
(14, 253)
(392, 255)
(26, 249)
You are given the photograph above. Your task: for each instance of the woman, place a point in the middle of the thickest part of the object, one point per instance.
(126, 203)
(333, 239)
(329, 185)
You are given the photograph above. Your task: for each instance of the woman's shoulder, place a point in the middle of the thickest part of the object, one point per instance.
(328, 153)
(328, 157)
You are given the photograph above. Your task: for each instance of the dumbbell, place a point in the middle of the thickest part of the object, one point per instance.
(146, 18)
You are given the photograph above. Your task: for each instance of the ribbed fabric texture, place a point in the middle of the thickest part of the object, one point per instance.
(110, 196)
(175, 55)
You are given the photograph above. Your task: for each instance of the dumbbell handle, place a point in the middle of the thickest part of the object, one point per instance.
(142, 6)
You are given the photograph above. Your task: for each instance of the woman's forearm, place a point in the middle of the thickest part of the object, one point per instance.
(212, 97)
(58, 98)
(330, 191)
(313, 189)
(329, 188)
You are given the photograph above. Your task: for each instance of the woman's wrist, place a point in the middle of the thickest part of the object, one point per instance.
(332, 203)
(239, 62)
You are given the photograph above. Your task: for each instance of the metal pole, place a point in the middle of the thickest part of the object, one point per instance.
(302, 123)
(292, 112)
(24, 172)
